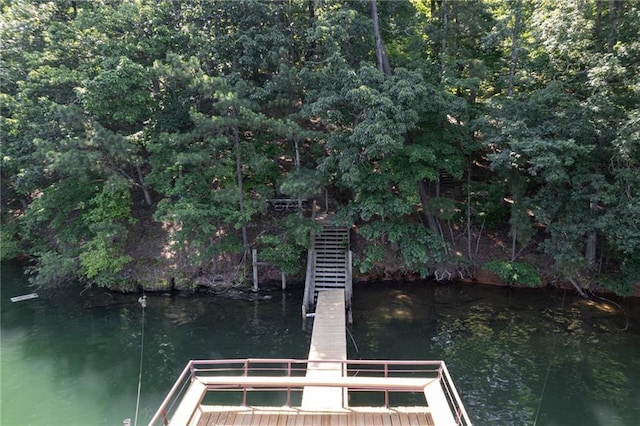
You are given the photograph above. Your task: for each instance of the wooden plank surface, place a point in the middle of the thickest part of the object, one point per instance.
(273, 416)
(328, 342)
(189, 404)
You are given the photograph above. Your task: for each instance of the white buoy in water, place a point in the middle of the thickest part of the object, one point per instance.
(24, 297)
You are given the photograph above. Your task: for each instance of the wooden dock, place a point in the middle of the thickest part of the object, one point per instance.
(325, 381)
(186, 405)
(328, 342)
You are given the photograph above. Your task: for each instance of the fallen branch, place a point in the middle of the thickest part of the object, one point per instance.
(579, 289)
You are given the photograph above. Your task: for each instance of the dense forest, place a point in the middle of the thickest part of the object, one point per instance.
(143, 140)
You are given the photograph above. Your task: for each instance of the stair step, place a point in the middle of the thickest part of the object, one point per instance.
(331, 247)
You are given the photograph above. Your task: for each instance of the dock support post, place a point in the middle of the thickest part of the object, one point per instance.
(254, 255)
(349, 287)
(284, 281)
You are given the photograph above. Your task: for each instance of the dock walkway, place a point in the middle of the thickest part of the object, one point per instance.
(328, 342)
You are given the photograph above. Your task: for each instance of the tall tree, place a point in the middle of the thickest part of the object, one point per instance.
(382, 60)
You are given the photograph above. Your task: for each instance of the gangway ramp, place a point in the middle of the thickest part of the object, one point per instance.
(328, 343)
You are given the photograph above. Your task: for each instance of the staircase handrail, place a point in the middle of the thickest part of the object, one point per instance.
(309, 283)
(348, 293)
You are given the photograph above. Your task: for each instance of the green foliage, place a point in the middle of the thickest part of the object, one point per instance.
(303, 183)
(119, 96)
(101, 257)
(279, 252)
(189, 112)
(287, 247)
(514, 273)
(100, 262)
(373, 252)
(420, 250)
(488, 208)
(52, 270)
(9, 241)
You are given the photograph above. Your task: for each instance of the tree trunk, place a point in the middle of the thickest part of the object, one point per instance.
(145, 190)
(311, 50)
(469, 252)
(443, 43)
(297, 164)
(236, 145)
(382, 59)
(515, 41)
(432, 221)
(579, 289)
(614, 5)
(592, 242)
(598, 25)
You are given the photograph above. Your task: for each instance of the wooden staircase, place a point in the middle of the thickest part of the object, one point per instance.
(328, 265)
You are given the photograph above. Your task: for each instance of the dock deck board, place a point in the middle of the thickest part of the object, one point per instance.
(216, 416)
(328, 342)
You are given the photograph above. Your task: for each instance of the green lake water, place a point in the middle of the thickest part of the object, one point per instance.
(517, 357)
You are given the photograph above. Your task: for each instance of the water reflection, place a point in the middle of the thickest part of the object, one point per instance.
(516, 356)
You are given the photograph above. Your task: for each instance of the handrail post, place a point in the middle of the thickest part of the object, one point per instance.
(254, 264)
(386, 391)
(288, 387)
(349, 287)
(309, 282)
(308, 285)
